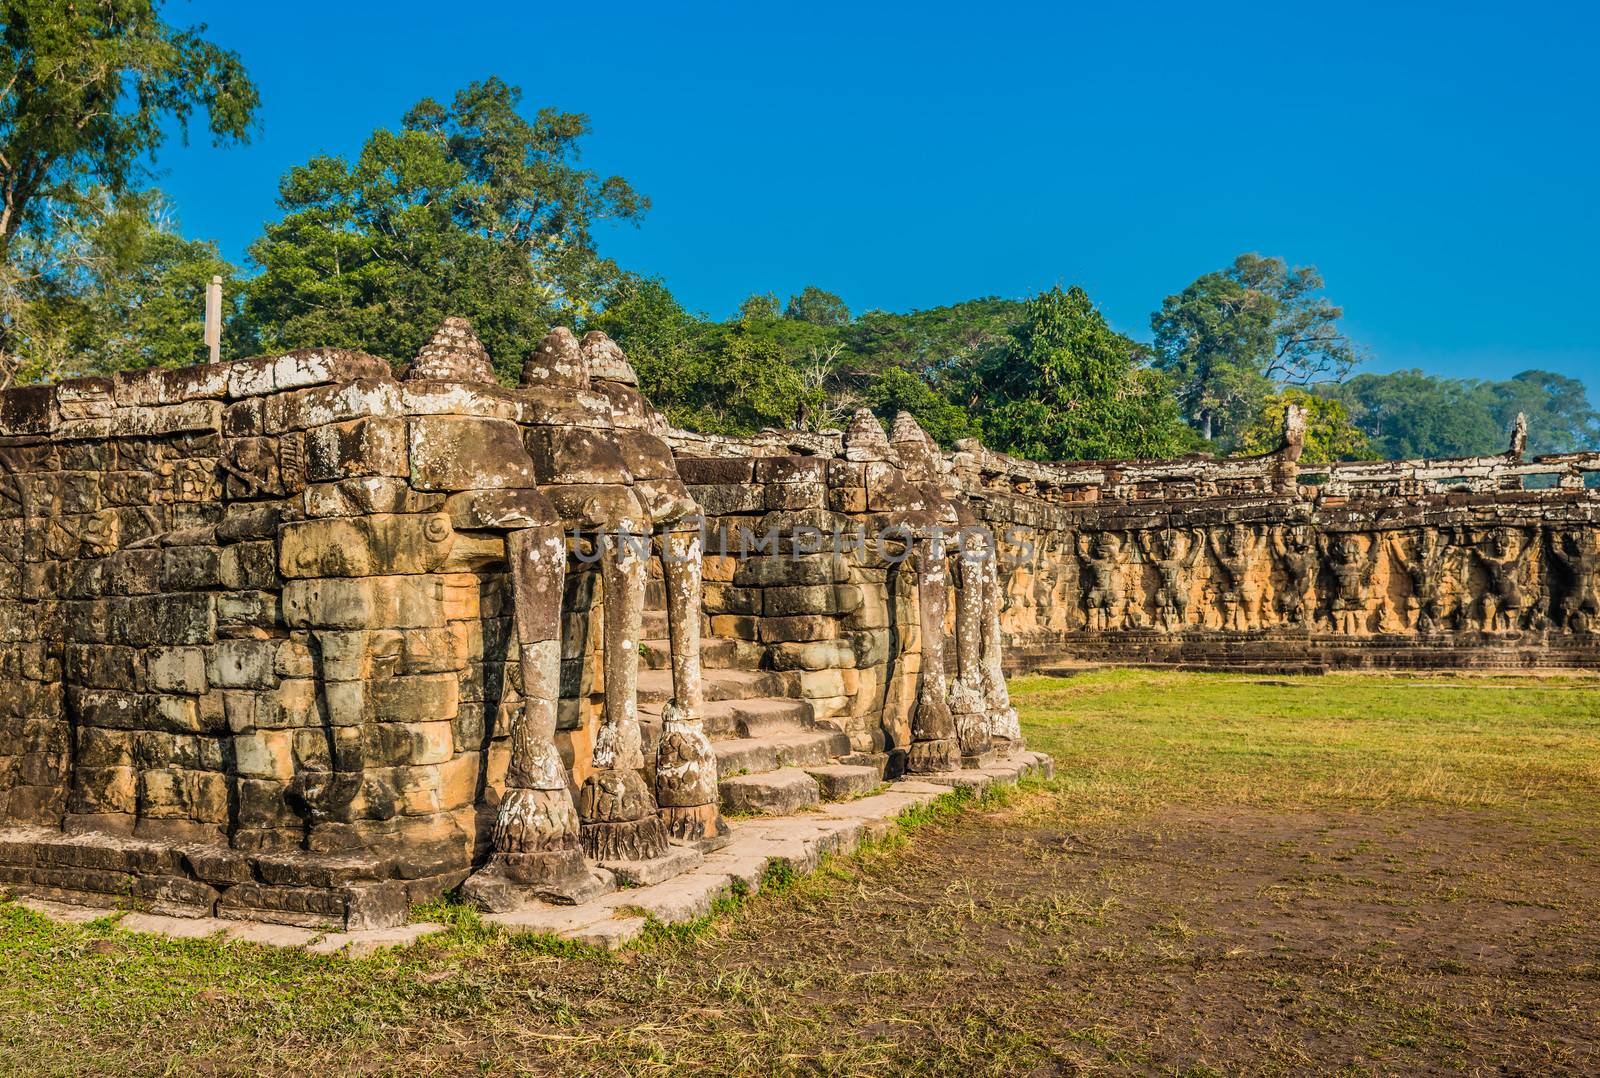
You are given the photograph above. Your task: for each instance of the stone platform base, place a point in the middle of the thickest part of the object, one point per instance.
(313, 891)
(1281, 651)
(795, 842)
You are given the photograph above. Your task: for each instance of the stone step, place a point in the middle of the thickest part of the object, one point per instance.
(756, 755)
(654, 626)
(771, 716)
(716, 653)
(773, 793)
(655, 686)
(760, 717)
(878, 761)
(841, 782)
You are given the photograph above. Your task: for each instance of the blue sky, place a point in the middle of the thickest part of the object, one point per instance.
(1438, 163)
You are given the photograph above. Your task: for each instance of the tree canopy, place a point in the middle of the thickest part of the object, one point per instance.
(91, 92)
(1330, 433)
(1412, 414)
(1067, 386)
(478, 207)
(467, 209)
(1234, 335)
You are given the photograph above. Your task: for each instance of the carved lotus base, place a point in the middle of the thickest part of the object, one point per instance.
(686, 764)
(624, 840)
(931, 757)
(701, 825)
(932, 721)
(1005, 730)
(972, 733)
(508, 881)
(1005, 748)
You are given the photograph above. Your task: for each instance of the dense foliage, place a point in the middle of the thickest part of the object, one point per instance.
(1330, 433)
(466, 209)
(1412, 414)
(1233, 336)
(477, 207)
(1066, 385)
(91, 91)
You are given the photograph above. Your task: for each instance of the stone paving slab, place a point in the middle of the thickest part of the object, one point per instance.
(797, 842)
(360, 944)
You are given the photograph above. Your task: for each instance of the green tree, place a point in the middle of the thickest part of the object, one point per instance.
(668, 346)
(1560, 418)
(1407, 414)
(1230, 338)
(1330, 433)
(896, 390)
(760, 306)
(468, 209)
(730, 378)
(819, 308)
(1065, 385)
(92, 90)
(749, 384)
(940, 345)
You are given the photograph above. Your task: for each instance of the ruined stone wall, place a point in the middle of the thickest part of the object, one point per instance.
(1249, 563)
(838, 614)
(299, 640)
(1259, 563)
(255, 633)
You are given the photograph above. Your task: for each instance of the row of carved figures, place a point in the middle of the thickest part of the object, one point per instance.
(1498, 578)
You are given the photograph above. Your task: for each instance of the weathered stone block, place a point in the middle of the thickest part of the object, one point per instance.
(370, 546)
(501, 509)
(242, 664)
(252, 566)
(723, 499)
(190, 568)
(369, 494)
(402, 602)
(715, 471)
(265, 754)
(253, 609)
(163, 386)
(167, 619)
(396, 743)
(788, 570)
(805, 627)
(789, 601)
(450, 453)
(812, 655)
(360, 447)
(308, 408)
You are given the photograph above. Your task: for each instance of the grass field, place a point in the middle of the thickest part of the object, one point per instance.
(1348, 874)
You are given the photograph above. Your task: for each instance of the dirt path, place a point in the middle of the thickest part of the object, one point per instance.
(1406, 941)
(1398, 941)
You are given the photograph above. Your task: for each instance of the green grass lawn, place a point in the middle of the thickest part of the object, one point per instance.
(1140, 738)
(1227, 874)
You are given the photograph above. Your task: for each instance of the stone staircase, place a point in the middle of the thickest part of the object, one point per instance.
(774, 757)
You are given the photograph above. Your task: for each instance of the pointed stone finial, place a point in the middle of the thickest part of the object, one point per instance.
(917, 451)
(1519, 436)
(1294, 431)
(864, 438)
(453, 354)
(606, 360)
(557, 361)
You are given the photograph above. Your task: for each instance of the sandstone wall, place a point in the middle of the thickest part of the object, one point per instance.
(1257, 563)
(259, 652)
(256, 633)
(260, 655)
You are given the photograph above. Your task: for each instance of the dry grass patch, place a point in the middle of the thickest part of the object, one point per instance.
(1337, 874)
